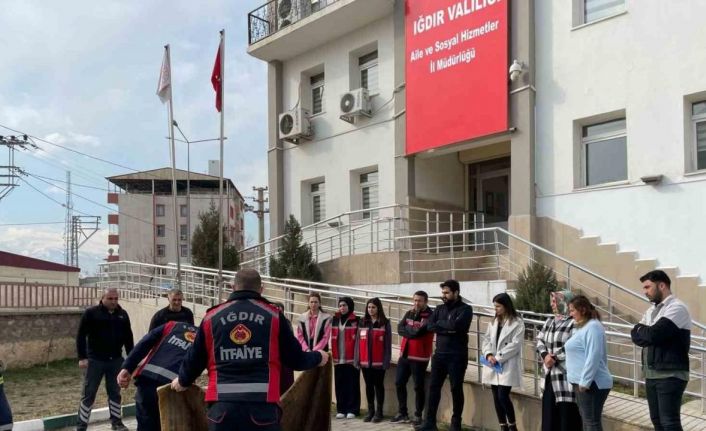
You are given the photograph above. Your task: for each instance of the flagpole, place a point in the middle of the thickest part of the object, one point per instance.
(220, 177)
(172, 151)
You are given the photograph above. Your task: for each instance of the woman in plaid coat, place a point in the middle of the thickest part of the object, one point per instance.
(559, 409)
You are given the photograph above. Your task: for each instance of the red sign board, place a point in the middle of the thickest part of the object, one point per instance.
(456, 71)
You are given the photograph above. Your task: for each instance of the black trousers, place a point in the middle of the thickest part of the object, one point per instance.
(243, 416)
(503, 404)
(374, 389)
(664, 399)
(453, 366)
(562, 416)
(91, 380)
(347, 380)
(418, 371)
(147, 406)
(5, 412)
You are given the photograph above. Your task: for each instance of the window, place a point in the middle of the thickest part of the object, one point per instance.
(183, 232)
(159, 210)
(161, 250)
(368, 65)
(369, 193)
(317, 94)
(161, 230)
(318, 203)
(594, 10)
(605, 152)
(698, 118)
(183, 250)
(183, 211)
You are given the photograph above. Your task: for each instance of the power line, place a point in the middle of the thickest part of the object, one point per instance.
(99, 204)
(46, 195)
(31, 224)
(72, 183)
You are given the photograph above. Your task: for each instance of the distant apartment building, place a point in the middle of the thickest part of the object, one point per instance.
(142, 228)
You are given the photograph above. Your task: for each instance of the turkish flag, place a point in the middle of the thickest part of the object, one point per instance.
(217, 80)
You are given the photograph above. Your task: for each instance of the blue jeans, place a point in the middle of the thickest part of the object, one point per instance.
(664, 399)
(591, 406)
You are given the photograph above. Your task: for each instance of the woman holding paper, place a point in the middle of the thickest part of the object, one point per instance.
(502, 347)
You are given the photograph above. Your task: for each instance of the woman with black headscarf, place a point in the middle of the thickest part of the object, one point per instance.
(344, 329)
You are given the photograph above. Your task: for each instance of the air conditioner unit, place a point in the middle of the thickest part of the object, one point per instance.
(354, 104)
(294, 125)
(289, 12)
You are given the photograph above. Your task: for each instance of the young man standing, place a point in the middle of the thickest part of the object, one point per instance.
(415, 353)
(174, 312)
(450, 322)
(664, 333)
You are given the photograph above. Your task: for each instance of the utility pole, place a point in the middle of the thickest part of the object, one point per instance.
(68, 235)
(8, 173)
(260, 212)
(82, 228)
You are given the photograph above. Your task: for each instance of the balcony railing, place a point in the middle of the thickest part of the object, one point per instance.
(276, 15)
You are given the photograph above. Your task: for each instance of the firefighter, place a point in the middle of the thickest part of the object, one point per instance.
(164, 347)
(344, 328)
(415, 353)
(5, 412)
(244, 342)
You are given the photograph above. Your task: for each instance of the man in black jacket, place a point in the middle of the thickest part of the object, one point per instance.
(450, 321)
(174, 312)
(664, 333)
(102, 333)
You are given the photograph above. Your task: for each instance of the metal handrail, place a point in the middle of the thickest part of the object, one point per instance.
(543, 250)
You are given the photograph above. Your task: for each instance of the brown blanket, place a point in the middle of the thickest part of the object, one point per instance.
(182, 411)
(307, 404)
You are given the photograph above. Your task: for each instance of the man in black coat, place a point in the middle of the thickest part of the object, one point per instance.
(450, 322)
(174, 312)
(102, 333)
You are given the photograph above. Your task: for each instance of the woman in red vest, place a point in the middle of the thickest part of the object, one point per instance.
(373, 356)
(344, 329)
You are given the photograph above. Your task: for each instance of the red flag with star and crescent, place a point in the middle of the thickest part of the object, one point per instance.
(217, 80)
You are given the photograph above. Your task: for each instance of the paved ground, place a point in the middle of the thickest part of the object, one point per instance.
(338, 425)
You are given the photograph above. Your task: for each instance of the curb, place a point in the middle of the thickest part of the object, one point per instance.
(62, 421)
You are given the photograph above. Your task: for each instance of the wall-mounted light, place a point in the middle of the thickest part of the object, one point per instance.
(516, 70)
(652, 179)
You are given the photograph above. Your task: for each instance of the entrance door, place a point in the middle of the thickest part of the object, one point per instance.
(489, 187)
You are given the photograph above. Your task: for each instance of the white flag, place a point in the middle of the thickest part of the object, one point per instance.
(164, 86)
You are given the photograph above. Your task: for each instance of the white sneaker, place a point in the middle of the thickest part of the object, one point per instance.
(350, 416)
(340, 416)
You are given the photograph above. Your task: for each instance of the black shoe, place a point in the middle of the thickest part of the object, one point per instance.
(377, 418)
(416, 420)
(400, 418)
(369, 416)
(504, 427)
(512, 427)
(119, 426)
(426, 427)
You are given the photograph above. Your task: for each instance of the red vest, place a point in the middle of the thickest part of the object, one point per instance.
(420, 348)
(371, 346)
(347, 355)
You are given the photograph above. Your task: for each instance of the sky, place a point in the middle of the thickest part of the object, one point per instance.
(83, 74)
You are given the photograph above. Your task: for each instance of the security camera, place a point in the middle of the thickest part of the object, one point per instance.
(516, 70)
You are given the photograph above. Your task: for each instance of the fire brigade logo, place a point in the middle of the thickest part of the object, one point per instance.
(240, 334)
(190, 336)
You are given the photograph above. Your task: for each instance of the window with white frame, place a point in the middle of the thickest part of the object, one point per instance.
(183, 232)
(369, 192)
(161, 250)
(605, 155)
(594, 10)
(317, 93)
(368, 65)
(183, 211)
(183, 250)
(698, 119)
(159, 210)
(161, 230)
(318, 201)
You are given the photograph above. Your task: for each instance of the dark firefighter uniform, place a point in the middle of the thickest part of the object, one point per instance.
(5, 412)
(244, 343)
(164, 348)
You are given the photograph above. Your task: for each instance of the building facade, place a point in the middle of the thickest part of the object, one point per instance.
(143, 230)
(601, 109)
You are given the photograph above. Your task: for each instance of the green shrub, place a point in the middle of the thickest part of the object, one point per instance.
(534, 284)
